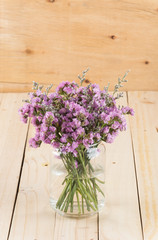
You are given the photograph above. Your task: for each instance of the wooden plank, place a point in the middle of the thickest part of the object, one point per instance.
(53, 41)
(74, 229)
(120, 219)
(145, 140)
(12, 141)
(34, 218)
(15, 87)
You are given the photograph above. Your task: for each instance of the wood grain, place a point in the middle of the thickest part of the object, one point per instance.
(121, 218)
(145, 140)
(12, 141)
(75, 229)
(52, 41)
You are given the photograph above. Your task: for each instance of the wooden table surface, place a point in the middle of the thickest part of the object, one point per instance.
(131, 211)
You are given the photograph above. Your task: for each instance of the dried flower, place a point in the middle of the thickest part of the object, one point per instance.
(86, 115)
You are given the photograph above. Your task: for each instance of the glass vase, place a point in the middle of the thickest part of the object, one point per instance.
(77, 182)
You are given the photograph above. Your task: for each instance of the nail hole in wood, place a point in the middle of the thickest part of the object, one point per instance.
(113, 162)
(46, 164)
(28, 51)
(157, 129)
(113, 37)
(146, 62)
(87, 81)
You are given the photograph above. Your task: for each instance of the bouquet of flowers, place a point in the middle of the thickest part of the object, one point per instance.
(73, 119)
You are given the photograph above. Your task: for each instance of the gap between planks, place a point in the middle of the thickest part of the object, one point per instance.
(145, 140)
(18, 185)
(136, 177)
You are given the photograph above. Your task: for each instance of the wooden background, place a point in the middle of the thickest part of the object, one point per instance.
(52, 41)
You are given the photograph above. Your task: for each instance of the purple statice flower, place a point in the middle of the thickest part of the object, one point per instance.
(63, 139)
(26, 111)
(74, 135)
(127, 110)
(36, 121)
(66, 87)
(52, 129)
(123, 125)
(42, 135)
(91, 135)
(97, 136)
(76, 122)
(35, 101)
(76, 164)
(91, 138)
(105, 130)
(105, 117)
(85, 122)
(44, 128)
(62, 110)
(32, 95)
(68, 90)
(24, 119)
(51, 136)
(47, 140)
(110, 138)
(85, 143)
(74, 146)
(56, 144)
(52, 95)
(69, 115)
(70, 148)
(61, 86)
(38, 92)
(33, 143)
(96, 90)
(80, 131)
(115, 125)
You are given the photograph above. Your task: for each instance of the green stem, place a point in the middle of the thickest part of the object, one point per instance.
(63, 195)
(78, 202)
(73, 193)
(82, 205)
(79, 182)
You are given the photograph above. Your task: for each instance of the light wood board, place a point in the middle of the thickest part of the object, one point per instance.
(144, 128)
(121, 218)
(12, 142)
(53, 41)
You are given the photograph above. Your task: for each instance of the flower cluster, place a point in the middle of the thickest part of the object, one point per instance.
(74, 116)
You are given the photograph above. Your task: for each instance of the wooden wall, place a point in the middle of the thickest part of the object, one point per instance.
(52, 41)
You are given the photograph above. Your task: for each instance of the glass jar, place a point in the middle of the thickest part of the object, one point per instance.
(77, 183)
